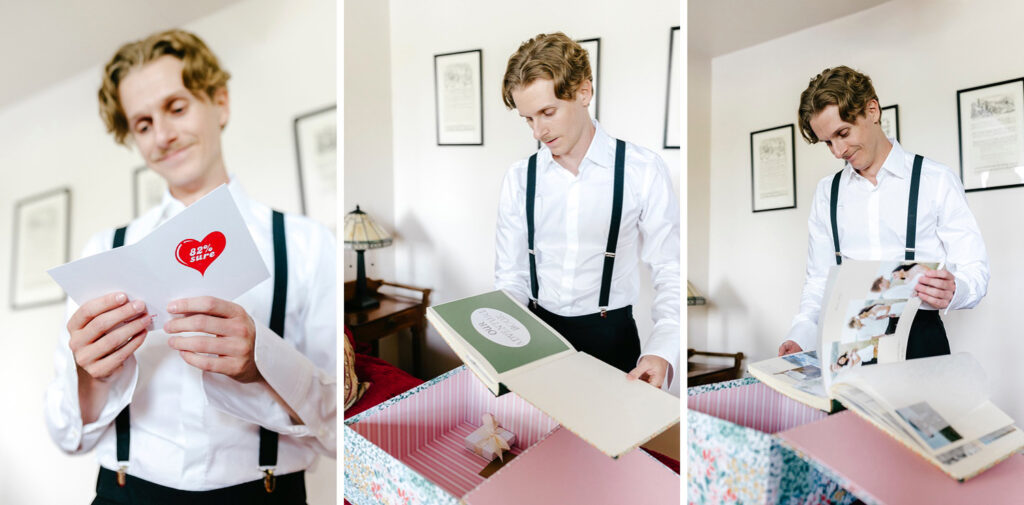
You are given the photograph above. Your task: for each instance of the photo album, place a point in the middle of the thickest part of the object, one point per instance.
(938, 407)
(866, 314)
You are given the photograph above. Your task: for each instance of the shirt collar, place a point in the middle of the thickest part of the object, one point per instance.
(895, 162)
(170, 206)
(601, 151)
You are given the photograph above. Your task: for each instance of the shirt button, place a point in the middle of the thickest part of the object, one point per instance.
(74, 432)
(322, 433)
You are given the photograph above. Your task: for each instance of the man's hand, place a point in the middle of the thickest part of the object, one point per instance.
(936, 287)
(104, 331)
(789, 347)
(99, 341)
(232, 343)
(651, 369)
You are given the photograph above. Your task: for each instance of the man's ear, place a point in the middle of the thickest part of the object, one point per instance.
(585, 93)
(873, 111)
(223, 103)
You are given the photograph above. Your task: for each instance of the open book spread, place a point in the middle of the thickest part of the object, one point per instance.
(866, 314)
(938, 407)
(509, 349)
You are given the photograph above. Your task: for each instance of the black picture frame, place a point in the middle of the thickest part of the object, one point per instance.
(672, 94)
(895, 118)
(595, 68)
(316, 163)
(778, 141)
(442, 100)
(58, 240)
(986, 106)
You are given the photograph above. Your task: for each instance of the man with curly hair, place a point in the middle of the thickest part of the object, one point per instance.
(576, 218)
(885, 204)
(229, 401)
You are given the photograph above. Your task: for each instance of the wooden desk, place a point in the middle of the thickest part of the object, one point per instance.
(395, 313)
(698, 373)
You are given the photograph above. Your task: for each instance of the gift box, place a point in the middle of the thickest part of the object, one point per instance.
(490, 440)
(409, 450)
(736, 456)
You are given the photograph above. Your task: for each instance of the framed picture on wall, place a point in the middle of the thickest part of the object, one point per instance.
(672, 132)
(593, 47)
(991, 126)
(458, 97)
(891, 121)
(773, 169)
(41, 240)
(316, 153)
(148, 189)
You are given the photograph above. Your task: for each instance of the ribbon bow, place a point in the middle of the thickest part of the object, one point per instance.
(491, 433)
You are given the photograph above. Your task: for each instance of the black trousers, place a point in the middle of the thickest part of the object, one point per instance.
(927, 335)
(290, 490)
(613, 339)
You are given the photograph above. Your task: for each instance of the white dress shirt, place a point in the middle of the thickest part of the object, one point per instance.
(572, 215)
(873, 226)
(196, 430)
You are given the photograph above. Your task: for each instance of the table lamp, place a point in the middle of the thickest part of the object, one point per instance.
(361, 233)
(693, 296)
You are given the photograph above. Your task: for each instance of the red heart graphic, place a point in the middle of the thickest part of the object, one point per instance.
(199, 255)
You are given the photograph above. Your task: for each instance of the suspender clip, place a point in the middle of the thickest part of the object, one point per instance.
(609, 255)
(269, 481)
(122, 474)
(531, 252)
(839, 254)
(604, 312)
(910, 249)
(533, 304)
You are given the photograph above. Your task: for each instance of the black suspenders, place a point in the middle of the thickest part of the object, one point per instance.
(268, 439)
(613, 231)
(531, 192)
(915, 185)
(123, 419)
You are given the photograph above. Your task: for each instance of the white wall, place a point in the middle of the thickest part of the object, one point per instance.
(282, 60)
(446, 197)
(369, 171)
(698, 184)
(918, 53)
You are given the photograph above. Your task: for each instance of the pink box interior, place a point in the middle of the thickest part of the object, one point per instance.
(755, 406)
(427, 430)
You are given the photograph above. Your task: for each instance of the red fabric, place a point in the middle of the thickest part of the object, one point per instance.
(386, 381)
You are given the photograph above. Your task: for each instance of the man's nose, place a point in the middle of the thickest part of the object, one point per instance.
(838, 148)
(166, 133)
(539, 130)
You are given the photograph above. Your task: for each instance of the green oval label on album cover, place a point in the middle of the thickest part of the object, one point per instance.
(499, 327)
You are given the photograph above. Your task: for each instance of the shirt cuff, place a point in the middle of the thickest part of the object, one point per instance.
(310, 392)
(76, 437)
(959, 292)
(664, 343)
(805, 334)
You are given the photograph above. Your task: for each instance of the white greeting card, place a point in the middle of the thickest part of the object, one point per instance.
(206, 250)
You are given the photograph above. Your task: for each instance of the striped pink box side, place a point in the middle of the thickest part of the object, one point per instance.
(527, 422)
(755, 406)
(432, 413)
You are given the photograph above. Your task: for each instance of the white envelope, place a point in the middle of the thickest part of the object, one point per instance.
(181, 258)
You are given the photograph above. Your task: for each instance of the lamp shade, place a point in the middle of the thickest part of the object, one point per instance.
(361, 232)
(693, 296)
